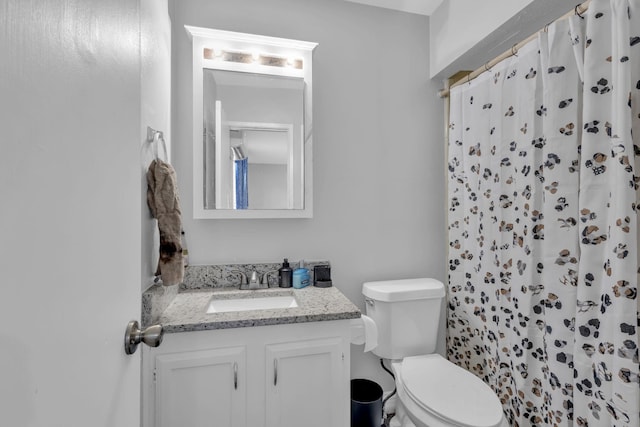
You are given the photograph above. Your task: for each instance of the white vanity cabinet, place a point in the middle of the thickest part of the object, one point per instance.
(286, 375)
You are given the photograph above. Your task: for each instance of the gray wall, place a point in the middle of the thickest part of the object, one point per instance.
(378, 147)
(491, 27)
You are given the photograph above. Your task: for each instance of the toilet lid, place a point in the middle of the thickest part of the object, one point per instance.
(450, 392)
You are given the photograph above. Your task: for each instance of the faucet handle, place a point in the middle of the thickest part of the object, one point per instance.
(265, 277)
(243, 277)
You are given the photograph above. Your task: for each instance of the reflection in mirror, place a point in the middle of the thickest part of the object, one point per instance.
(252, 125)
(253, 140)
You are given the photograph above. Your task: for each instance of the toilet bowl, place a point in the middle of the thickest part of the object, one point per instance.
(432, 392)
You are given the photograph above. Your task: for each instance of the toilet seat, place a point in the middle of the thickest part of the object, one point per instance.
(449, 392)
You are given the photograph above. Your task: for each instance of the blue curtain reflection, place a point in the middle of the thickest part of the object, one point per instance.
(242, 188)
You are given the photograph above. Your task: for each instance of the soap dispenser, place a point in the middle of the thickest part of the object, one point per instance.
(301, 276)
(285, 275)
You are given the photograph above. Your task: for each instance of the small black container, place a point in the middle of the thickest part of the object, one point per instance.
(322, 276)
(366, 403)
(285, 275)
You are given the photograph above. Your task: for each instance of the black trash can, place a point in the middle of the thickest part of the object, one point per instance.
(366, 403)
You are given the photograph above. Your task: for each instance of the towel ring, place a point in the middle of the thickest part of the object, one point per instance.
(160, 138)
(154, 137)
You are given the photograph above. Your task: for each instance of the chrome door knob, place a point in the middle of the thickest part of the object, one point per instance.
(151, 336)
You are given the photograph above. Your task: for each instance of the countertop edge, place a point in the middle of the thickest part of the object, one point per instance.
(214, 325)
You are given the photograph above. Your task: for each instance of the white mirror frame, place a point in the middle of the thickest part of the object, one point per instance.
(240, 42)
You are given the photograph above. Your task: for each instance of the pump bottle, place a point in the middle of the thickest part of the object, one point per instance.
(285, 275)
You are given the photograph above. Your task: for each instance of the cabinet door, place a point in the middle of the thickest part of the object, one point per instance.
(305, 384)
(201, 388)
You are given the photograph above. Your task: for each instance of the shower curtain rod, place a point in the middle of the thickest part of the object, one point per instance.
(444, 93)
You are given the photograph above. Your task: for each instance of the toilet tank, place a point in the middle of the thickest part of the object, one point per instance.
(406, 313)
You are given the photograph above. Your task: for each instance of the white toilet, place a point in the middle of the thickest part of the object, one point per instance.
(432, 391)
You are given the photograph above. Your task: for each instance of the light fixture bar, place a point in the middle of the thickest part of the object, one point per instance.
(251, 58)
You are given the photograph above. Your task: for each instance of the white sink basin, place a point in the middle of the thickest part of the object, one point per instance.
(246, 304)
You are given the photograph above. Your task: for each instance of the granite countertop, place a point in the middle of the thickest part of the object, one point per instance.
(187, 311)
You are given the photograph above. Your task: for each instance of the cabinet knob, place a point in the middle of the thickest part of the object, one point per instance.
(151, 336)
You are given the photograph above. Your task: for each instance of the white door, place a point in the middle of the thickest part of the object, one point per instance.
(225, 176)
(70, 216)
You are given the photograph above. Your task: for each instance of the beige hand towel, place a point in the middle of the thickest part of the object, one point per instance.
(164, 203)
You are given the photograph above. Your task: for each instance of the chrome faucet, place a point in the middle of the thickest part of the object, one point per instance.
(254, 283)
(251, 283)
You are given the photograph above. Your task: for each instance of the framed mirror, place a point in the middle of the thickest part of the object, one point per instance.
(252, 126)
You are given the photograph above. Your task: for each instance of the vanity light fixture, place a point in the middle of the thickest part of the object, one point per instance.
(252, 58)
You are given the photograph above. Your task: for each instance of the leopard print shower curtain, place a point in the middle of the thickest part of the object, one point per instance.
(543, 223)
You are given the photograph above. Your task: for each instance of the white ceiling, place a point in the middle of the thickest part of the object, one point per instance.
(420, 7)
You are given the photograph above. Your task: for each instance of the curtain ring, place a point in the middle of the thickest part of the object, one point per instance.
(577, 10)
(469, 78)
(514, 50)
(546, 27)
(486, 66)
